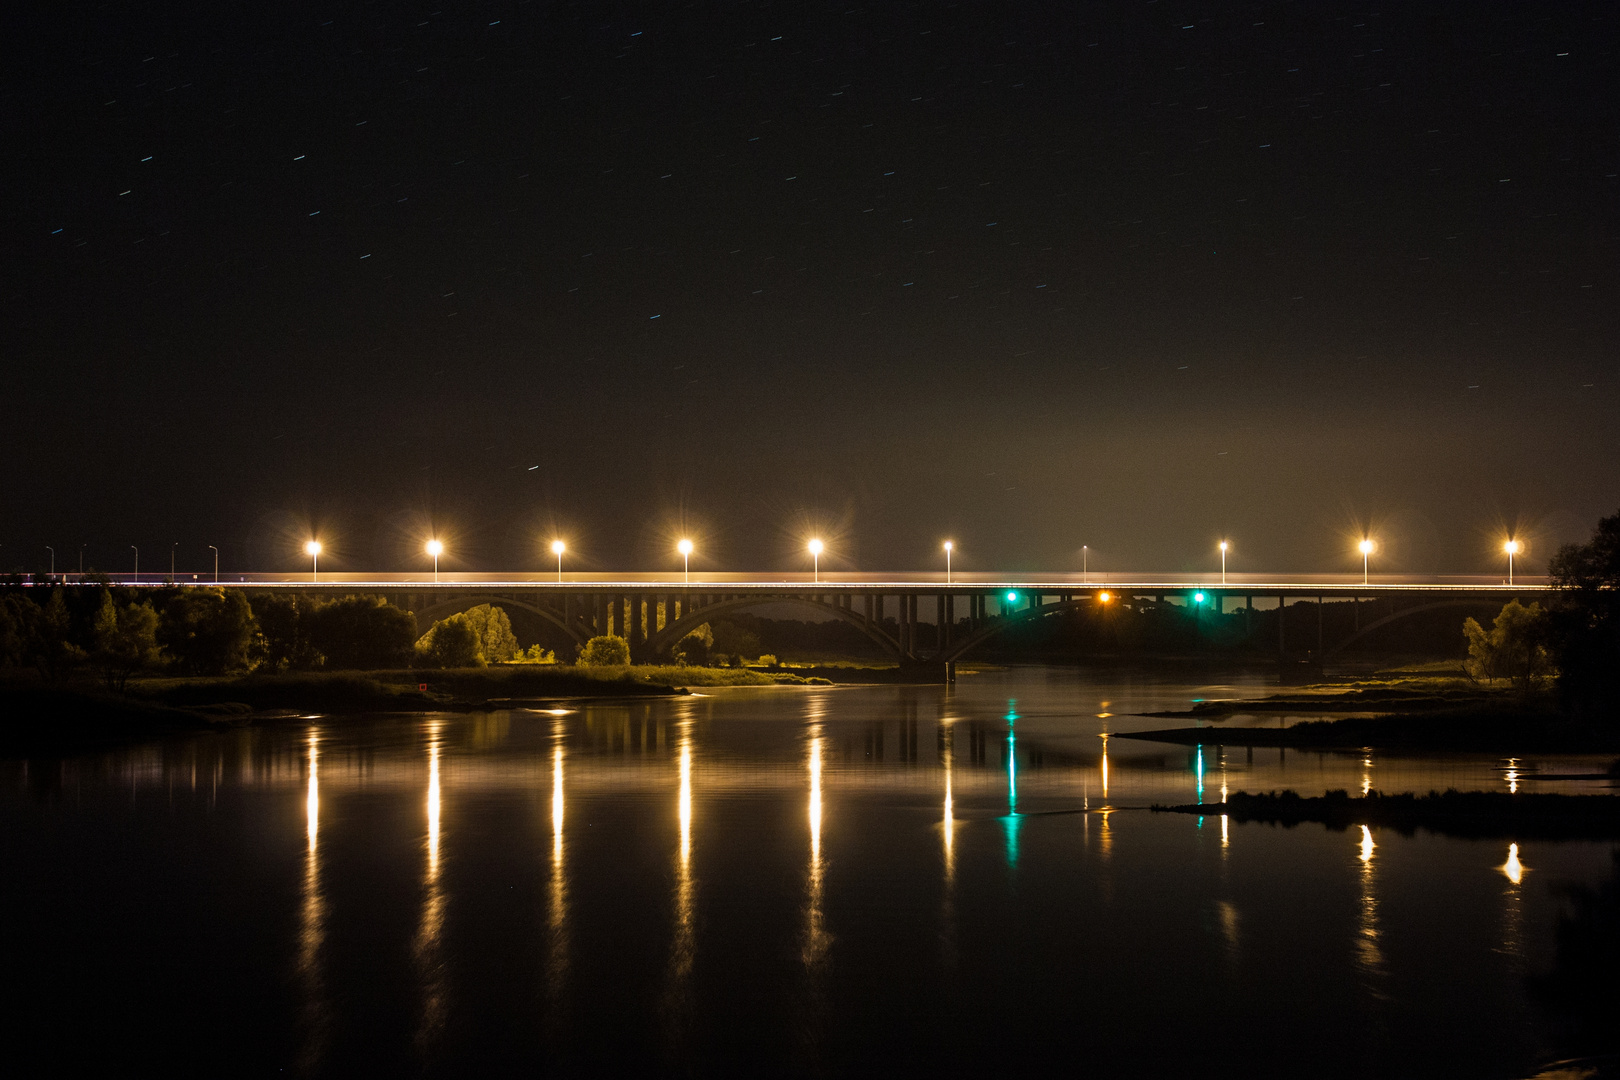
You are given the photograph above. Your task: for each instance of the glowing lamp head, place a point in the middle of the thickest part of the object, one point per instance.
(1104, 597)
(1511, 547)
(434, 548)
(949, 546)
(312, 548)
(684, 547)
(1012, 598)
(1224, 545)
(1198, 598)
(815, 547)
(558, 547)
(1365, 547)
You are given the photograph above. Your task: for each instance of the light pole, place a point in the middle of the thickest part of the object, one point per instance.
(435, 549)
(171, 560)
(815, 555)
(685, 548)
(313, 550)
(1085, 563)
(215, 550)
(81, 560)
(948, 547)
(1512, 549)
(557, 549)
(137, 552)
(1224, 546)
(53, 559)
(1366, 550)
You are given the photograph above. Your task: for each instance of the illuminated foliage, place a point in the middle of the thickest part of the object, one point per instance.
(605, 650)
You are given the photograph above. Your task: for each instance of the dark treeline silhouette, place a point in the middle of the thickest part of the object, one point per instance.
(114, 633)
(1585, 619)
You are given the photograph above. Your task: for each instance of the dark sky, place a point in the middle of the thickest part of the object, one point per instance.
(1133, 275)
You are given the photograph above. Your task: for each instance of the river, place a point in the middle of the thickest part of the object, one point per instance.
(787, 881)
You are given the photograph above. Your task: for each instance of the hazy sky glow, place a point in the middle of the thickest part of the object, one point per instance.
(1140, 276)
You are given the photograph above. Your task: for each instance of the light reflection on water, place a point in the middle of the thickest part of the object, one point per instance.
(798, 887)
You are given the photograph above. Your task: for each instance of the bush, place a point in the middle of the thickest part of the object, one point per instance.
(362, 632)
(534, 655)
(767, 660)
(605, 650)
(451, 643)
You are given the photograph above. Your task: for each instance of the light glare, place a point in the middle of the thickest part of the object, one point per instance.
(815, 547)
(312, 548)
(434, 548)
(684, 547)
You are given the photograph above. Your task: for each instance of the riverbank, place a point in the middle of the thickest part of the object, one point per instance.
(37, 715)
(1474, 815)
(1494, 730)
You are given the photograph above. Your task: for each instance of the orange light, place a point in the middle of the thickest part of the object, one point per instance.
(312, 548)
(1104, 597)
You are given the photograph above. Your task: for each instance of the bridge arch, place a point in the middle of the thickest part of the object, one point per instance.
(1401, 614)
(666, 638)
(957, 649)
(445, 608)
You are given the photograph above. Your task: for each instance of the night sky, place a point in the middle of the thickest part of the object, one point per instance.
(1133, 275)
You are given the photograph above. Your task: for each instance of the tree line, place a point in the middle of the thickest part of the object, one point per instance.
(115, 633)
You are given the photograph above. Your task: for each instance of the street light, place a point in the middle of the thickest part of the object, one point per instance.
(1224, 546)
(53, 559)
(685, 548)
(1366, 547)
(137, 552)
(1085, 563)
(215, 550)
(1512, 548)
(435, 549)
(313, 550)
(948, 547)
(171, 560)
(81, 560)
(557, 549)
(815, 555)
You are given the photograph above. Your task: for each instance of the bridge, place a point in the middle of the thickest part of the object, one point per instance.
(917, 620)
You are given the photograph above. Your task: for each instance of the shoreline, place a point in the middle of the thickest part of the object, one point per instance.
(1472, 815)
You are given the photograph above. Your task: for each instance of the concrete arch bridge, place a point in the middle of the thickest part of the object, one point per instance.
(920, 625)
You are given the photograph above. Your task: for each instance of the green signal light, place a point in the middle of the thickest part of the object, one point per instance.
(1012, 598)
(1198, 597)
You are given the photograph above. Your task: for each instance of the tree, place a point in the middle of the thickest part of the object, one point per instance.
(209, 631)
(1586, 619)
(284, 622)
(496, 641)
(694, 647)
(124, 640)
(453, 642)
(47, 638)
(605, 650)
(362, 632)
(733, 640)
(1515, 648)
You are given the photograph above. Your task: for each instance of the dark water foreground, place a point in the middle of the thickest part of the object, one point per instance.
(799, 881)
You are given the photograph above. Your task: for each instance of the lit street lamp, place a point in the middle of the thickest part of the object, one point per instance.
(313, 550)
(948, 546)
(1085, 563)
(557, 549)
(685, 548)
(1366, 547)
(435, 549)
(215, 550)
(1224, 546)
(1512, 548)
(815, 555)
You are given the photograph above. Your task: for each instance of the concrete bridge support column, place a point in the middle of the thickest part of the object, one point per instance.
(637, 637)
(1282, 625)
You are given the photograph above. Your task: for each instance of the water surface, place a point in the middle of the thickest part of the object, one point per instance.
(802, 881)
